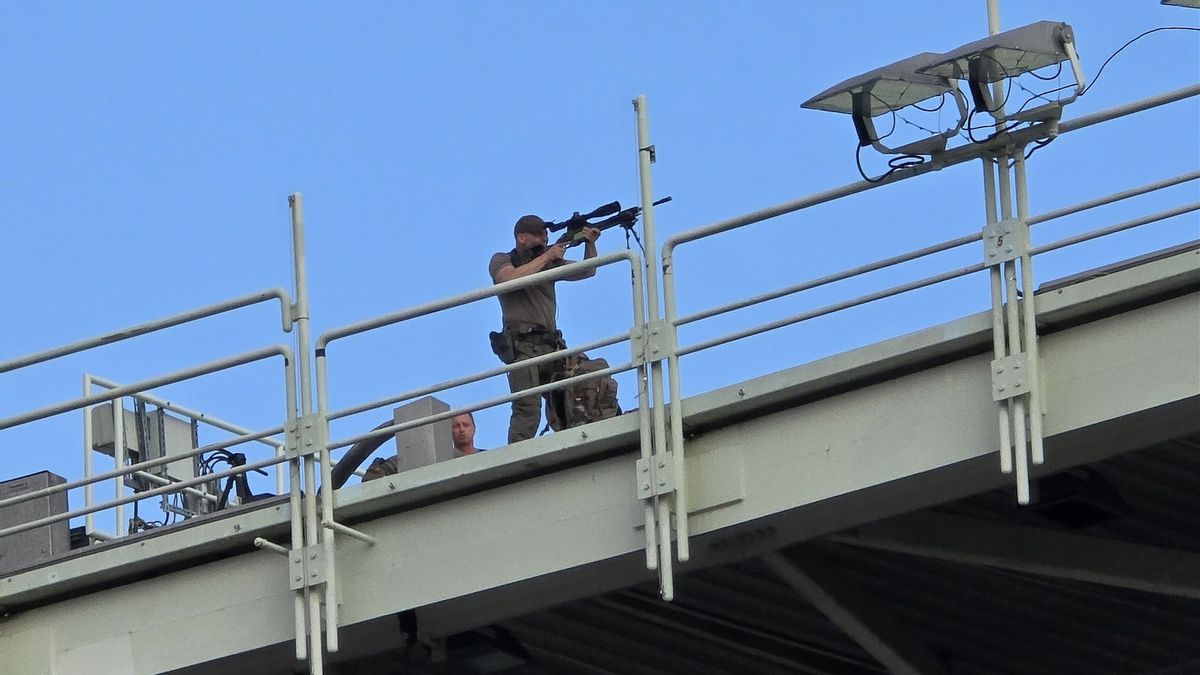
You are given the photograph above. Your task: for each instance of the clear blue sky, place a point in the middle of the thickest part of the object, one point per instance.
(148, 150)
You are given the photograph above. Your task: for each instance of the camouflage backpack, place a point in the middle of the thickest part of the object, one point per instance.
(582, 402)
(379, 468)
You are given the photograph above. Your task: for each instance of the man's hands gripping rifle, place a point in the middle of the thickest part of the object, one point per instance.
(610, 214)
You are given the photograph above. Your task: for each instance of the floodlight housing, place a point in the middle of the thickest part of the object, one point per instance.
(1007, 55)
(888, 89)
(1194, 4)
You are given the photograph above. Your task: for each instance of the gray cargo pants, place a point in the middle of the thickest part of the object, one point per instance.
(527, 411)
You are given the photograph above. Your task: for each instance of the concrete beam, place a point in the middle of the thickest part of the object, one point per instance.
(548, 536)
(1034, 550)
(851, 610)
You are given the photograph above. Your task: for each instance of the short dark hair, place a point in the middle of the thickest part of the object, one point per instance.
(468, 414)
(529, 224)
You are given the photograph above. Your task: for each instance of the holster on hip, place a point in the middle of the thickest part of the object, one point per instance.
(502, 345)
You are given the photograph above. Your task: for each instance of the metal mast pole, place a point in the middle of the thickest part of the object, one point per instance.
(300, 316)
(645, 158)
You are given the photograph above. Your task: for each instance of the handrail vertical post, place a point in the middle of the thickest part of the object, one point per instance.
(997, 287)
(1029, 324)
(118, 417)
(89, 521)
(1013, 325)
(295, 508)
(660, 444)
(312, 532)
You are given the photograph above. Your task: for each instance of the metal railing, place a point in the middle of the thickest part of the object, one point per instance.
(660, 472)
(325, 415)
(995, 155)
(116, 393)
(115, 396)
(194, 416)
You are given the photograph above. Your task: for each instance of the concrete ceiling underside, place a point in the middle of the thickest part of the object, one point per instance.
(1099, 576)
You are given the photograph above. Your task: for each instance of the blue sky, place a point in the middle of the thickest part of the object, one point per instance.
(149, 149)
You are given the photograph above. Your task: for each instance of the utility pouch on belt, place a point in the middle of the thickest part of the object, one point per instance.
(502, 346)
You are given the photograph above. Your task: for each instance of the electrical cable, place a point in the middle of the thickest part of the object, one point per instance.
(1037, 145)
(1048, 78)
(941, 102)
(1135, 39)
(892, 111)
(1043, 94)
(894, 164)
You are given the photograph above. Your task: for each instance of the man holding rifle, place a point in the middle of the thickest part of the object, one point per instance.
(530, 314)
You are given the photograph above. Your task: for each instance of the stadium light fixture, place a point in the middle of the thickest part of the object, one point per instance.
(889, 89)
(1008, 55)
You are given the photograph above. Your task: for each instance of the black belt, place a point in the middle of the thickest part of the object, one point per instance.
(535, 333)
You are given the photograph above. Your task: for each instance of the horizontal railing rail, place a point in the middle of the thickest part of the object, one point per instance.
(1113, 229)
(930, 250)
(160, 324)
(173, 487)
(478, 377)
(547, 276)
(1113, 198)
(830, 309)
(190, 413)
(475, 407)
(556, 274)
(139, 466)
(133, 389)
(949, 158)
(151, 383)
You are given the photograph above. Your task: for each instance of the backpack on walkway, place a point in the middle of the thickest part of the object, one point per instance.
(582, 402)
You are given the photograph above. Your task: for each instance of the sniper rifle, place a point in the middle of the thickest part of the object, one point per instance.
(610, 215)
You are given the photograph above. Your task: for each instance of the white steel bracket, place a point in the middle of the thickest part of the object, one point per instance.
(305, 436)
(1004, 241)
(655, 341)
(656, 477)
(1010, 377)
(304, 568)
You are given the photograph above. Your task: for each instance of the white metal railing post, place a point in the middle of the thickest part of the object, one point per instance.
(1012, 319)
(665, 464)
(644, 481)
(1016, 406)
(89, 521)
(300, 598)
(997, 287)
(119, 460)
(1013, 407)
(317, 572)
(1029, 316)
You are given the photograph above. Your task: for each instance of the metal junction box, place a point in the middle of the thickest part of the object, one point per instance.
(25, 549)
(164, 435)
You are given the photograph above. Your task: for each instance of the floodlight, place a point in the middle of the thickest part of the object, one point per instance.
(1007, 55)
(1194, 4)
(889, 89)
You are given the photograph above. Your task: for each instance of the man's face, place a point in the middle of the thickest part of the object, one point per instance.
(526, 240)
(462, 431)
